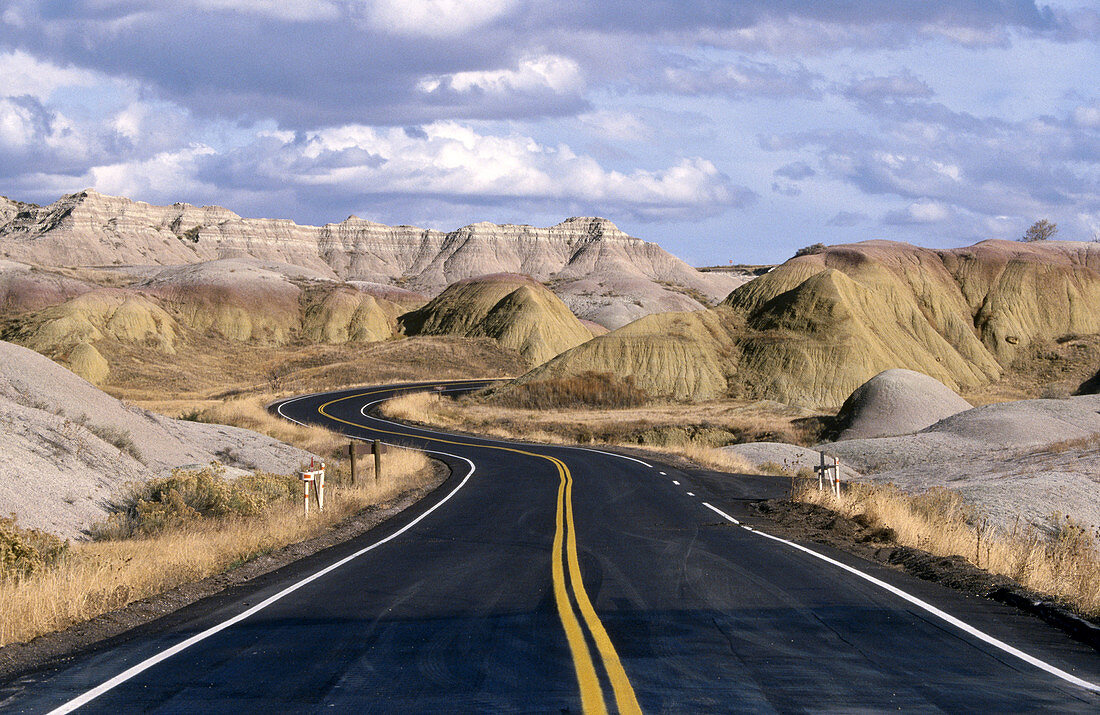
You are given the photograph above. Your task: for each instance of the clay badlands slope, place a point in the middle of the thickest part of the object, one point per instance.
(601, 273)
(814, 329)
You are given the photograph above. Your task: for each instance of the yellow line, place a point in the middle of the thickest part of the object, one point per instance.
(625, 699)
(591, 692)
(589, 682)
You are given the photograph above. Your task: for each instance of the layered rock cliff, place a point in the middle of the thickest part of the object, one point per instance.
(600, 272)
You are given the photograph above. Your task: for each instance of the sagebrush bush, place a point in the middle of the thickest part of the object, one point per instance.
(147, 508)
(589, 389)
(26, 551)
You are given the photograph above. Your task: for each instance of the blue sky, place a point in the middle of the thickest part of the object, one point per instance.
(722, 130)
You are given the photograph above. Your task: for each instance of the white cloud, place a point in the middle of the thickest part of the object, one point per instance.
(919, 212)
(1087, 116)
(27, 128)
(450, 159)
(434, 18)
(163, 176)
(23, 74)
(547, 72)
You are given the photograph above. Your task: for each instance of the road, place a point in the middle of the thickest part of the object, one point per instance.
(540, 579)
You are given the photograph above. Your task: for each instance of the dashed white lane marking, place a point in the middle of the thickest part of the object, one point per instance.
(676, 482)
(690, 494)
(663, 474)
(166, 654)
(943, 615)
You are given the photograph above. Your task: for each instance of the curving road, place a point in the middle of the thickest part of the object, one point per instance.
(562, 579)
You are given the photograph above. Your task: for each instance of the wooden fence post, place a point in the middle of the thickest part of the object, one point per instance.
(351, 455)
(377, 460)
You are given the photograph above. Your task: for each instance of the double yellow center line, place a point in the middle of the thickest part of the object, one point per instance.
(565, 561)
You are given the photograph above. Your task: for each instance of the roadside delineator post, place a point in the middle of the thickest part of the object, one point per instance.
(836, 476)
(317, 478)
(820, 469)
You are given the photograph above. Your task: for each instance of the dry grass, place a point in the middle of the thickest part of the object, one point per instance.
(96, 577)
(530, 425)
(250, 412)
(1065, 565)
(1066, 445)
(589, 389)
(668, 426)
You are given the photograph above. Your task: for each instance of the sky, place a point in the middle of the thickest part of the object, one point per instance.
(724, 131)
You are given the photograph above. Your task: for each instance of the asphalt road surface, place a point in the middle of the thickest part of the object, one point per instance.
(558, 579)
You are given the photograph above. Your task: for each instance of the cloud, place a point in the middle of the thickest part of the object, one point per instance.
(795, 171)
(878, 89)
(434, 18)
(847, 219)
(547, 72)
(919, 212)
(616, 126)
(456, 162)
(1087, 116)
(741, 78)
(23, 74)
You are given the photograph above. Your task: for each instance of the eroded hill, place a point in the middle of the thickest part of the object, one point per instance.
(515, 310)
(812, 330)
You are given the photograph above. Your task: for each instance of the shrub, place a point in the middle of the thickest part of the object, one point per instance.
(26, 551)
(589, 389)
(1041, 230)
(811, 250)
(173, 502)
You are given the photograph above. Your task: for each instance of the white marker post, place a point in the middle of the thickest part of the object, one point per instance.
(316, 477)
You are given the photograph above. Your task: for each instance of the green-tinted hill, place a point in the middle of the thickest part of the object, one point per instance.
(517, 311)
(814, 329)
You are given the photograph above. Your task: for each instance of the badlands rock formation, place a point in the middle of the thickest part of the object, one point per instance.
(896, 402)
(812, 330)
(601, 273)
(67, 446)
(515, 310)
(237, 299)
(999, 457)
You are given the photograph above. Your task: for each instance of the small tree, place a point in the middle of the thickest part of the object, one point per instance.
(1041, 230)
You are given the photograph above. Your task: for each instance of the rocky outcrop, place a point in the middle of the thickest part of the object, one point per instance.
(811, 331)
(515, 310)
(600, 272)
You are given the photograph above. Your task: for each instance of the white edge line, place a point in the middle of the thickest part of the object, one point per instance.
(164, 655)
(943, 615)
(721, 513)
